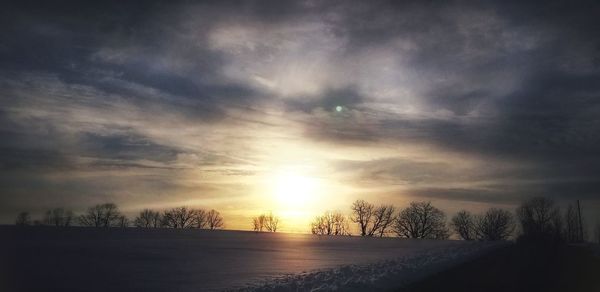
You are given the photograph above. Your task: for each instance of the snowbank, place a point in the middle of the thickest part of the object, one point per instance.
(384, 275)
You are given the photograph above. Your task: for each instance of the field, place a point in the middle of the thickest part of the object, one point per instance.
(89, 259)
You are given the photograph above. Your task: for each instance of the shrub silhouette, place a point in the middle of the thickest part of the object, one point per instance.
(495, 224)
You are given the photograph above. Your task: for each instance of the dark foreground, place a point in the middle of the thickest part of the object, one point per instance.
(131, 259)
(521, 268)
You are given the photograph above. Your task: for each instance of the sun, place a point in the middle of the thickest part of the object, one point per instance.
(296, 194)
(294, 190)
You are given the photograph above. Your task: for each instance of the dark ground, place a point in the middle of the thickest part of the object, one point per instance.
(520, 267)
(44, 258)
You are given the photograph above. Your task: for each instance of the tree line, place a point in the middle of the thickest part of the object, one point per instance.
(537, 219)
(108, 215)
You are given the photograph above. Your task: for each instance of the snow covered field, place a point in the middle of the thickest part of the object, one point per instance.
(86, 259)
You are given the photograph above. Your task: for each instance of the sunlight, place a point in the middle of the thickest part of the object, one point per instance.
(293, 190)
(297, 191)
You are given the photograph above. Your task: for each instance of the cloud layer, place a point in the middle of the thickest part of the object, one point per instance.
(159, 104)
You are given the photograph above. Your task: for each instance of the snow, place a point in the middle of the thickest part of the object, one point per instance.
(197, 260)
(378, 276)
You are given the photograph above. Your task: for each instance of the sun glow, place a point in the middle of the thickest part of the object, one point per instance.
(294, 191)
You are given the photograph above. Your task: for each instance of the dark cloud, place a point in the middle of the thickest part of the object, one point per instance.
(22, 149)
(33, 160)
(113, 46)
(124, 147)
(513, 195)
(471, 195)
(550, 113)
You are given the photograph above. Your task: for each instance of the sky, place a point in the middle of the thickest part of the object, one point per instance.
(298, 107)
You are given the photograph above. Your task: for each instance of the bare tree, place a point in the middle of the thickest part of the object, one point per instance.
(573, 231)
(340, 224)
(92, 217)
(169, 218)
(112, 216)
(321, 225)
(148, 219)
(184, 217)
(258, 223)
(201, 218)
(271, 222)
(102, 215)
(268, 222)
(495, 224)
(362, 212)
(421, 220)
(539, 219)
(68, 218)
(330, 223)
(23, 219)
(571, 225)
(214, 220)
(47, 220)
(58, 217)
(372, 221)
(383, 217)
(463, 225)
(123, 221)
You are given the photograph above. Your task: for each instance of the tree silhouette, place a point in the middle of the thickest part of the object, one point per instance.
(421, 220)
(372, 221)
(267, 222)
(539, 219)
(495, 224)
(258, 223)
(183, 217)
(101, 215)
(148, 219)
(123, 221)
(214, 220)
(23, 219)
(362, 212)
(58, 217)
(463, 225)
(330, 223)
(572, 225)
(271, 222)
(383, 218)
(200, 218)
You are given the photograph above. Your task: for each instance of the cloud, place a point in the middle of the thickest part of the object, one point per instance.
(484, 102)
